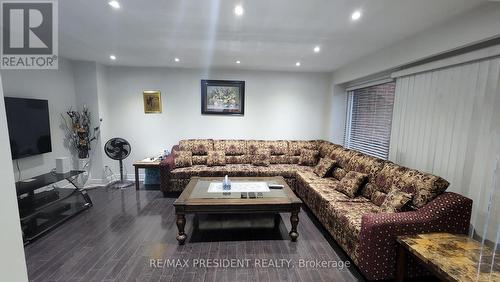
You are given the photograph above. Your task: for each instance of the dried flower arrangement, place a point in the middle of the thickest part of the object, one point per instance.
(79, 131)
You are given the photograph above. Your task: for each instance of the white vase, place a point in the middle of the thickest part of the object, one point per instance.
(84, 164)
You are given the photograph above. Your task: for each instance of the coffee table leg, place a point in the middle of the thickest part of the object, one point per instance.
(294, 220)
(181, 222)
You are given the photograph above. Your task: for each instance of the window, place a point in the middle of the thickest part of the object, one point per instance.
(369, 119)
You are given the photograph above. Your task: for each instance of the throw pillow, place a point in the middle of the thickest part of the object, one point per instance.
(395, 200)
(216, 158)
(368, 191)
(324, 166)
(378, 198)
(183, 158)
(338, 173)
(351, 183)
(261, 157)
(308, 157)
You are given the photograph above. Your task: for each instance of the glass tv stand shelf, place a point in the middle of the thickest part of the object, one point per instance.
(43, 205)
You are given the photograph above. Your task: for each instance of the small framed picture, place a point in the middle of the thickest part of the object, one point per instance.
(152, 101)
(222, 97)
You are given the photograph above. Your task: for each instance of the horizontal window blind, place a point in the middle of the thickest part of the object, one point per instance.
(368, 127)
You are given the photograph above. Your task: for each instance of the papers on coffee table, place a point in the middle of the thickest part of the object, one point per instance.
(216, 187)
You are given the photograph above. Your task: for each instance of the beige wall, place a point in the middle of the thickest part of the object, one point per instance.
(56, 86)
(278, 105)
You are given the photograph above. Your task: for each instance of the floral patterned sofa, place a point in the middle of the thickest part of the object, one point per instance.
(359, 224)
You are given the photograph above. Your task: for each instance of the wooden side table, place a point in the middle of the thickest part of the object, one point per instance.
(143, 164)
(450, 257)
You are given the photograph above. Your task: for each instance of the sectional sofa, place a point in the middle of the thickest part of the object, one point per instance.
(359, 224)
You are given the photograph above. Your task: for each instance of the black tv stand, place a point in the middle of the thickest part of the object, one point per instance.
(43, 205)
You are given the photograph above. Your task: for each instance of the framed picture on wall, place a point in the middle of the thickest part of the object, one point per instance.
(152, 101)
(222, 97)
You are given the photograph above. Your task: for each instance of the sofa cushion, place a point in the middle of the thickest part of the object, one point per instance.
(214, 171)
(308, 157)
(197, 146)
(243, 159)
(199, 160)
(293, 159)
(261, 157)
(254, 145)
(395, 200)
(338, 173)
(365, 164)
(368, 190)
(342, 156)
(324, 166)
(285, 170)
(216, 158)
(328, 192)
(278, 147)
(281, 159)
(326, 149)
(317, 195)
(294, 147)
(231, 147)
(183, 159)
(386, 177)
(351, 183)
(378, 198)
(306, 176)
(423, 186)
(350, 213)
(343, 220)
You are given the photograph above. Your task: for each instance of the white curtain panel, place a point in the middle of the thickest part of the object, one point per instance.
(447, 122)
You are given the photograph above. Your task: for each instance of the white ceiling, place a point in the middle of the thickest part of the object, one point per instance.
(271, 35)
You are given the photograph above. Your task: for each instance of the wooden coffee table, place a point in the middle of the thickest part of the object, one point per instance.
(196, 199)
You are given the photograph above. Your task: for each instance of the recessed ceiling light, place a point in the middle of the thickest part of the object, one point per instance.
(177, 60)
(297, 64)
(238, 10)
(238, 62)
(356, 15)
(112, 57)
(317, 49)
(115, 4)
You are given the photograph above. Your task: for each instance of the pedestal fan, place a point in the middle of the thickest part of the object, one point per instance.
(118, 149)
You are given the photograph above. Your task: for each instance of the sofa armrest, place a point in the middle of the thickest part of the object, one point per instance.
(166, 165)
(449, 212)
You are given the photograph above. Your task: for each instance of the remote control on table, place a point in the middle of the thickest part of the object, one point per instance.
(244, 195)
(251, 195)
(275, 186)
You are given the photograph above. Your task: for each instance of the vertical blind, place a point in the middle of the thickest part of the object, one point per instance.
(368, 126)
(447, 122)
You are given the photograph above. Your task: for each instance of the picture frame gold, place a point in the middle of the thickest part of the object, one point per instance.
(152, 101)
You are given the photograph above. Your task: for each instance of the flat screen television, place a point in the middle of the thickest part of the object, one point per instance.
(29, 126)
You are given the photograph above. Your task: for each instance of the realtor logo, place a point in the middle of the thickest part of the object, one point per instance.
(29, 35)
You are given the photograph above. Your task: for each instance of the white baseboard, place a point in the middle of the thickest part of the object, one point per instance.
(94, 183)
(131, 176)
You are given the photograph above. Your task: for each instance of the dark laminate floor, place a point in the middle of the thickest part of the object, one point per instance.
(115, 240)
